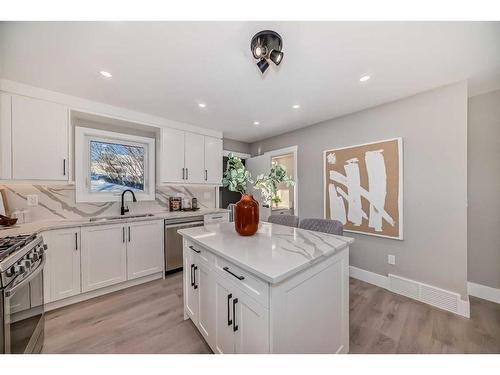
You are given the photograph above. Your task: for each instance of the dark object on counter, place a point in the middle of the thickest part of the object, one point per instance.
(7, 221)
(123, 209)
(191, 209)
(246, 215)
(175, 203)
(194, 203)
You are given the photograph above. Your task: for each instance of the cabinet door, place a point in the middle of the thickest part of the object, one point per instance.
(252, 322)
(206, 306)
(213, 160)
(191, 296)
(104, 256)
(195, 158)
(172, 156)
(144, 248)
(39, 140)
(62, 271)
(224, 335)
(5, 137)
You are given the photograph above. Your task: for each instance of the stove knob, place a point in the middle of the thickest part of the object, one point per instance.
(10, 272)
(19, 268)
(33, 256)
(26, 263)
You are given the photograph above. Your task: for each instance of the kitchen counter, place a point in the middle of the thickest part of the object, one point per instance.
(40, 226)
(274, 253)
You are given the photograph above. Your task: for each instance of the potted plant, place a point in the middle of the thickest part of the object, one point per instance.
(268, 184)
(246, 210)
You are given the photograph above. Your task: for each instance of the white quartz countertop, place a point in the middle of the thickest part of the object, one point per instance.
(40, 226)
(274, 253)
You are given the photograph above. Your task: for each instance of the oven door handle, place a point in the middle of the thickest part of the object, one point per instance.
(10, 291)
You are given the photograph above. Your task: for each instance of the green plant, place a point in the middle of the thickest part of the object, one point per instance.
(268, 184)
(236, 176)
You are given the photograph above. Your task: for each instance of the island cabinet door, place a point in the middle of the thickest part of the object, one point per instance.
(144, 248)
(250, 325)
(104, 256)
(191, 295)
(206, 306)
(224, 334)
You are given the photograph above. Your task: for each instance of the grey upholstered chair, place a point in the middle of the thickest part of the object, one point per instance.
(288, 220)
(322, 225)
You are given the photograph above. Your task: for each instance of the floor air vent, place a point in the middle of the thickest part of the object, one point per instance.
(433, 296)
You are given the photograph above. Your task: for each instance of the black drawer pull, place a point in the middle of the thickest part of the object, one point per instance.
(196, 251)
(195, 268)
(235, 326)
(192, 273)
(238, 277)
(229, 321)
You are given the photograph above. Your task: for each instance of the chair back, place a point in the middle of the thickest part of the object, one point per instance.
(322, 225)
(288, 220)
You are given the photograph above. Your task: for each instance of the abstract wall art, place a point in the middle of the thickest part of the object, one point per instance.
(364, 187)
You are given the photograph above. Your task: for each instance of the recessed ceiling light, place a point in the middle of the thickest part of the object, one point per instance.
(296, 106)
(202, 105)
(106, 74)
(364, 78)
(256, 123)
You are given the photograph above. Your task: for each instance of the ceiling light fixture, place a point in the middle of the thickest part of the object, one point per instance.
(296, 106)
(364, 78)
(106, 74)
(202, 105)
(256, 123)
(267, 45)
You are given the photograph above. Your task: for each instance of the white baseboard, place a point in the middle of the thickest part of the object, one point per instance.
(425, 293)
(485, 292)
(369, 277)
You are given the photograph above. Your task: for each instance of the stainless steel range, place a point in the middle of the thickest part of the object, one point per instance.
(21, 294)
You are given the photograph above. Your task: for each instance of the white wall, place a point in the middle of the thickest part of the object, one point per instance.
(434, 130)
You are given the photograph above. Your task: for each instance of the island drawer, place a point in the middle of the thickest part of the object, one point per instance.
(204, 255)
(251, 285)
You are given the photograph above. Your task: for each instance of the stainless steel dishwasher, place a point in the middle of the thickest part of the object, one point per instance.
(173, 240)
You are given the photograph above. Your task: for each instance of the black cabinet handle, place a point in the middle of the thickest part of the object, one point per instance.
(196, 251)
(64, 167)
(195, 268)
(235, 326)
(128, 234)
(206, 175)
(192, 273)
(238, 277)
(229, 321)
(123, 234)
(187, 174)
(76, 241)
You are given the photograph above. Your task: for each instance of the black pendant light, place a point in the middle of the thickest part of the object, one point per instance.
(267, 45)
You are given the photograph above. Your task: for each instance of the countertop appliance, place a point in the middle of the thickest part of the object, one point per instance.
(173, 240)
(22, 259)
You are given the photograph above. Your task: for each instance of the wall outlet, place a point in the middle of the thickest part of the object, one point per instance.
(391, 259)
(32, 199)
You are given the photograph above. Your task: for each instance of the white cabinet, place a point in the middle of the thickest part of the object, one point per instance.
(62, 269)
(144, 248)
(104, 256)
(224, 335)
(190, 158)
(39, 139)
(213, 160)
(5, 136)
(194, 158)
(172, 156)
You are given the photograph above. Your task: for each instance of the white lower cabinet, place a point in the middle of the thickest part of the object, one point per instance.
(144, 248)
(228, 318)
(62, 267)
(104, 256)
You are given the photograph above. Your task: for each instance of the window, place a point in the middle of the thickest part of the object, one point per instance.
(108, 163)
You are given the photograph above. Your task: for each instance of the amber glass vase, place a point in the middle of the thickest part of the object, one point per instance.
(246, 215)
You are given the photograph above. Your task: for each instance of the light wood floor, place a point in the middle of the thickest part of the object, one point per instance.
(148, 319)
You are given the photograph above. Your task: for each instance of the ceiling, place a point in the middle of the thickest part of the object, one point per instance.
(167, 68)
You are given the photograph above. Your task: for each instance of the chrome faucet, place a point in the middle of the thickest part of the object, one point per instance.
(124, 209)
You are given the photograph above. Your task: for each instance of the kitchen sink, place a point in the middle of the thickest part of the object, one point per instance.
(118, 217)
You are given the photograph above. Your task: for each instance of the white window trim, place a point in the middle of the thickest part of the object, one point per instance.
(82, 164)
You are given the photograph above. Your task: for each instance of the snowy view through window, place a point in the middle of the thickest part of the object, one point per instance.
(115, 167)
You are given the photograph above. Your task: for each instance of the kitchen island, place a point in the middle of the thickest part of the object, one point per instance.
(282, 290)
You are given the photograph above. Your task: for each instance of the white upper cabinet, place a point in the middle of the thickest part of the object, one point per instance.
(190, 158)
(172, 156)
(194, 158)
(213, 160)
(39, 139)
